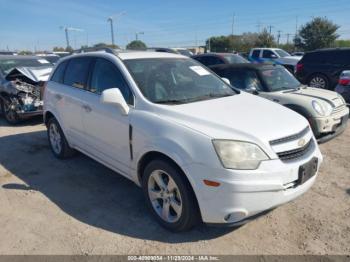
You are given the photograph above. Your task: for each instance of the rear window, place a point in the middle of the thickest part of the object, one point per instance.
(59, 73)
(235, 59)
(77, 72)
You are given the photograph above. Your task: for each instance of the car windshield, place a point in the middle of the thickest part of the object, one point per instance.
(176, 80)
(52, 59)
(6, 65)
(278, 79)
(184, 52)
(236, 59)
(282, 53)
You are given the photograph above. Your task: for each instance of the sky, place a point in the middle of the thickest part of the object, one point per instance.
(37, 24)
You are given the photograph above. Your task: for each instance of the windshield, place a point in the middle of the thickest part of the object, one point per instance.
(176, 80)
(6, 65)
(184, 52)
(236, 59)
(278, 79)
(52, 59)
(282, 53)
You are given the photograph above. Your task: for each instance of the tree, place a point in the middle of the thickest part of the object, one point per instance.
(58, 49)
(25, 52)
(319, 33)
(219, 44)
(69, 49)
(104, 45)
(265, 39)
(136, 45)
(342, 43)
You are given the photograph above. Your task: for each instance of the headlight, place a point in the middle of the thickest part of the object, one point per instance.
(239, 155)
(323, 109)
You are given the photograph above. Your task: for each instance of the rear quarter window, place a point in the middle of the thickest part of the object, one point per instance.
(59, 73)
(77, 71)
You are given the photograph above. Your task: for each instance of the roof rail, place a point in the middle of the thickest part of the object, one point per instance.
(95, 49)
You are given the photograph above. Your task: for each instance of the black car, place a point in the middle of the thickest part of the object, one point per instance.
(322, 68)
(210, 59)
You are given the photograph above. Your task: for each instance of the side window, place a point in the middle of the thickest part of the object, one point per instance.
(105, 76)
(59, 73)
(77, 72)
(205, 60)
(256, 54)
(268, 54)
(216, 61)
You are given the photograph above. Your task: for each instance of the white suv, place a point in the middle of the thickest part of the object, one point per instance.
(201, 150)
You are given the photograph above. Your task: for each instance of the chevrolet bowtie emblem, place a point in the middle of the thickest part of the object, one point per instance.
(301, 142)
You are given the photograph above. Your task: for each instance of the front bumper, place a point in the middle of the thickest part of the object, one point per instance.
(243, 194)
(29, 114)
(327, 128)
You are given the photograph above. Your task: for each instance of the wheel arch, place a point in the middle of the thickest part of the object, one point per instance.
(152, 155)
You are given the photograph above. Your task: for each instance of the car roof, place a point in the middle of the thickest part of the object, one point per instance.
(248, 66)
(214, 54)
(329, 50)
(130, 55)
(19, 57)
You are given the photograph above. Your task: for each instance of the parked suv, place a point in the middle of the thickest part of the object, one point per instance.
(322, 68)
(199, 149)
(325, 110)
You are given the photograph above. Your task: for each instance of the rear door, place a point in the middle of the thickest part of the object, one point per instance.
(70, 98)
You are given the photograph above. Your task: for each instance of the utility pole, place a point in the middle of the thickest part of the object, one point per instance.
(66, 31)
(258, 25)
(288, 38)
(278, 37)
(270, 28)
(111, 21)
(137, 35)
(233, 24)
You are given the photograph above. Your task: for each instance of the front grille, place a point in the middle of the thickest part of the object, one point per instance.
(338, 109)
(290, 138)
(296, 153)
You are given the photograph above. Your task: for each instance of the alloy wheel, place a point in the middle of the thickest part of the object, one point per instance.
(55, 138)
(318, 82)
(165, 196)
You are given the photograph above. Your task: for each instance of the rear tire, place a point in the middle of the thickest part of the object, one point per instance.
(319, 81)
(169, 196)
(57, 140)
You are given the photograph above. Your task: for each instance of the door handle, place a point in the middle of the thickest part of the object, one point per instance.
(87, 108)
(58, 97)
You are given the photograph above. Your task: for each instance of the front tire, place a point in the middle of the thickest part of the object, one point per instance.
(9, 112)
(57, 140)
(169, 196)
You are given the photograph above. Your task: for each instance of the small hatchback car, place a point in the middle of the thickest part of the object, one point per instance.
(325, 110)
(201, 150)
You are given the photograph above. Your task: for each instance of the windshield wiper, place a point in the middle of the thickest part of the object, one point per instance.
(207, 96)
(170, 101)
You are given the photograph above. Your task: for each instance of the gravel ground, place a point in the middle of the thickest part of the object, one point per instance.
(77, 206)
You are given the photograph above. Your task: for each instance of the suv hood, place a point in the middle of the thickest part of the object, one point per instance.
(31, 74)
(310, 93)
(240, 117)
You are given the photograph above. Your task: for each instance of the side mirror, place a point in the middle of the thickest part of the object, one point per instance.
(226, 80)
(113, 96)
(273, 56)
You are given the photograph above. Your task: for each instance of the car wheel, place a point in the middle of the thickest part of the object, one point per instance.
(9, 112)
(319, 81)
(170, 196)
(58, 142)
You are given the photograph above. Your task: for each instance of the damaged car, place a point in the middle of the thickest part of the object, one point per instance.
(22, 80)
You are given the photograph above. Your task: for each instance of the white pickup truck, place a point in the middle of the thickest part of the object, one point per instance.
(274, 56)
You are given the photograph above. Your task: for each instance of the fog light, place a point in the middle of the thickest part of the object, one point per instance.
(236, 216)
